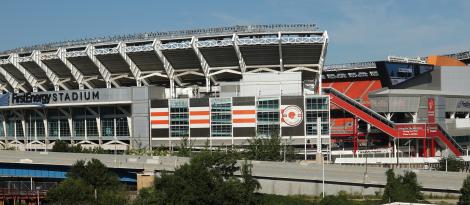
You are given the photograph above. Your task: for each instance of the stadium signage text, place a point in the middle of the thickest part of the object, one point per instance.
(47, 98)
(348, 75)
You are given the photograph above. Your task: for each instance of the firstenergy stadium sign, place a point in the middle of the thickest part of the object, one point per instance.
(55, 97)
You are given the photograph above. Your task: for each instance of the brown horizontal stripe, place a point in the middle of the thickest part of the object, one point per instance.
(244, 112)
(202, 121)
(159, 113)
(159, 122)
(246, 120)
(199, 113)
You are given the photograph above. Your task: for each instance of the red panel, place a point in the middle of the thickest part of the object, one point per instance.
(340, 86)
(358, 89)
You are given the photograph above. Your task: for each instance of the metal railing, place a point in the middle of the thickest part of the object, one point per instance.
(172, 34)
(451, 139)
(359, 106)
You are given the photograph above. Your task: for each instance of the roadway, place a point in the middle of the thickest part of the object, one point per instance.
(275, 177)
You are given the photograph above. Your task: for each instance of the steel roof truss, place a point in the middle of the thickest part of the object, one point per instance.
(241, 61)
(90, 52)
(77, 75)
(32, 80)
(55, 80)
(204, 65)
(170, 71)
(135, 70)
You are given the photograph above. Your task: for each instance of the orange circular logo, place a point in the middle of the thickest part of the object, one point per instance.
(292, 115)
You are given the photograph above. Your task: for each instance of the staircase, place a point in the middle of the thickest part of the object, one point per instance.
(385, 125)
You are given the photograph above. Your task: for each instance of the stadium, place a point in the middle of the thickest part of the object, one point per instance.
(223, 86)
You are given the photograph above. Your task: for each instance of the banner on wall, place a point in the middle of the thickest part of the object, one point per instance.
(431, 110)
(411, 130)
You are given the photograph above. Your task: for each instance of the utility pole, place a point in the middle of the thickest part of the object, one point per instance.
(320, 154)
(367, 156)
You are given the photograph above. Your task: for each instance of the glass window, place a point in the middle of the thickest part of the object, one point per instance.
(64, 128)
(122, 128)
(107, 125)
(40, 128)
(91, 127)
(267, 117)
(317, 107)
(19, 129)
(30, 128)
(10, 128)
(179, 118)
(79, 127)
(221, 117)
(53, 128)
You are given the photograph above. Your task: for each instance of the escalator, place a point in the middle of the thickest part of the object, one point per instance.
(380, 122)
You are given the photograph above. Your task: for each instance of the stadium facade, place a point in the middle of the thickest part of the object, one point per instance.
(155, 89)
(225, 85)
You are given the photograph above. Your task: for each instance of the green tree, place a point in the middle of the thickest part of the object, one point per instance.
(207, 179)
(453, 164)
(402, 188)
(94, 181)
(71, 191)
(265, 149)
(60, 146)
(335, 200)
(464, 198)
(185, 148)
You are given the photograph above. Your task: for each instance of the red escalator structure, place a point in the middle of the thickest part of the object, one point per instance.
(429, 133)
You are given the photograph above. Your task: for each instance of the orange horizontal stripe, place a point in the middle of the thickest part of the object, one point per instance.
(159, 122)
(246, 120)
(202, 121)
(244, 112)
(199, 113)
(159, 114)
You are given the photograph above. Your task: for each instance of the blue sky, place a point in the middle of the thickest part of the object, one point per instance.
(359, 30)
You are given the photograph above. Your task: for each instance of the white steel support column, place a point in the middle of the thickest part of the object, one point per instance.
(204, 65)
(322, 61)
(70, 122)
(281, 62)
(14, 83)
(77, 75)
(135, 70)
(55, 80)
(46, 129)
(27, 75)
(172, 88)
(3, 87)
(241, 61)
(4, 124)
(415, 117)
(90, 51)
